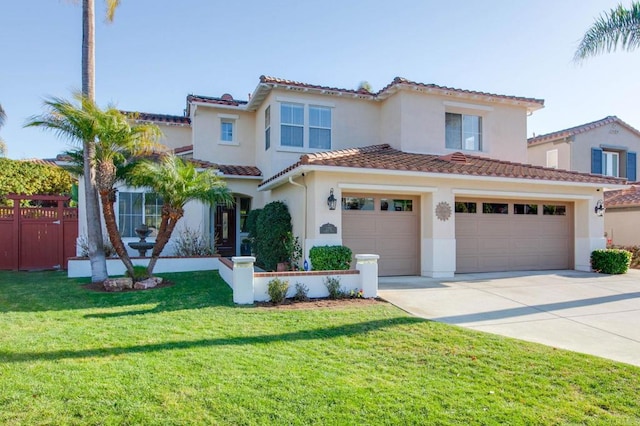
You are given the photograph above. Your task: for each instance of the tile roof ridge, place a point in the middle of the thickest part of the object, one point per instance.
(340, 153)
(581, 128)
(265, 79)
(455, 157)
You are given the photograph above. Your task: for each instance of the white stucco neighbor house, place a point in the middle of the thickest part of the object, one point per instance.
(605, 147)
(431, 178)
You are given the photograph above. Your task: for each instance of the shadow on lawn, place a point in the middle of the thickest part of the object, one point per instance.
(314, 334)
(53, 291)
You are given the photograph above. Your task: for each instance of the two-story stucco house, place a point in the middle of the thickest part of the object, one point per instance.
(433, 179)
(605, 147)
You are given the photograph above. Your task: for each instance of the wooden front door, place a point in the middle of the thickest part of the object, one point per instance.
(225, 230)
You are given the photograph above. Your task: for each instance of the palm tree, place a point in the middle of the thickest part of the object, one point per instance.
(3, 145)
(94, 229)
(620, 27)
(176, 182)
(116, 144)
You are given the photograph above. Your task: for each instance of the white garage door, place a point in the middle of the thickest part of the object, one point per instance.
(386, 225)
(507, 235)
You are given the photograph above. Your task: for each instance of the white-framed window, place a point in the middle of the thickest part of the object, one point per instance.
(305, 126)
(136, 208)
(267, 128)
(552, 158)
(291, 125)
(463, 132)
(610, 163)
(319, 127)
(228, 129)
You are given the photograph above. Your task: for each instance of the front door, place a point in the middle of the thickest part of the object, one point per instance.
(225, 230)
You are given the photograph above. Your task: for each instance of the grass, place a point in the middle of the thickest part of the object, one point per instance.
(186, 355)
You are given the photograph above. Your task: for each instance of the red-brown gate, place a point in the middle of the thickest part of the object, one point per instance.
(37, 237)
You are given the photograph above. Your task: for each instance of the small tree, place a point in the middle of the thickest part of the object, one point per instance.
(273, 226)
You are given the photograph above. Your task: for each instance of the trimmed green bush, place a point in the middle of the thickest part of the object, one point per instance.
(611, 261)
(277, 290)
(635, 255)
(330, 258)
(273, 226)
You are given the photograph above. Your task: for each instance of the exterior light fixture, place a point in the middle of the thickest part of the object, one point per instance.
(331, 201)
(599, 208)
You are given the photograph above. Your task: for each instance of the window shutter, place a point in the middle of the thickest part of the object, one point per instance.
(631, 166)
(596, 161)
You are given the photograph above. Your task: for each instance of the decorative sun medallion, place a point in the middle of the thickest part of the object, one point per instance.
(443, 211)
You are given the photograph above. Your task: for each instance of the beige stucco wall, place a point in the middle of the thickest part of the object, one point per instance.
(206, 136)
(175, 136)
(621, 226)
(537, 154)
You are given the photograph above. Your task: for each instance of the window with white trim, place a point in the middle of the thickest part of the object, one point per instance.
(319, 127)
(292, 125)
(226, 130)
(463, 132)
(610, 163)
(136, 208)
(267, 128)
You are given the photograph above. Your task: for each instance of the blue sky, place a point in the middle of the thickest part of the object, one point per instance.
(157, 52)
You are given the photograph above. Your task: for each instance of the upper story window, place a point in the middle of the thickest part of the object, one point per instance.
(228, 129)
(305, 126)
(292, 125)
(319, 127)
(463, 132)
(610, 163)
(267, 128)
(136, 208)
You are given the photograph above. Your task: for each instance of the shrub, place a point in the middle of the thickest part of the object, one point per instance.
(610, 261)
(139, 273)
(330, 258)
(83, 245)
(294, 251)
(25, 177)
(302, 293)
(273, 225)
(277, 290)
(635, 254)
(334, 288)
(191, 242)
(252, 224)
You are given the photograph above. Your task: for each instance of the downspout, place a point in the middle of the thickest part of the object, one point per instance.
(304, 214)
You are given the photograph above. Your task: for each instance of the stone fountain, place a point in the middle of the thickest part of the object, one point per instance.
(142, 246)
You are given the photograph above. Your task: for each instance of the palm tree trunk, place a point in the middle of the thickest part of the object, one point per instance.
(94, 227)
(108, 198)
(170, 217)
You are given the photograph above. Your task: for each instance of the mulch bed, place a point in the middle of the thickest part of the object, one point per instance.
(100, 288)
(319, 303)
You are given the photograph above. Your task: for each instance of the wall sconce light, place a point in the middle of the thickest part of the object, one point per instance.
(331, 201)
(599, 208)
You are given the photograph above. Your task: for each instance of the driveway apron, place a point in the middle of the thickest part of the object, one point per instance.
(584, 312)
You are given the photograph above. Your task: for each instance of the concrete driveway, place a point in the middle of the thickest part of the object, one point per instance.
(583, 312)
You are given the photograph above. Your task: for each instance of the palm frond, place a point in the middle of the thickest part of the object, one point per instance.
(618, 28)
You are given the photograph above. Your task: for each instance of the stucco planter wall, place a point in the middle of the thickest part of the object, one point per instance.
(80, 266)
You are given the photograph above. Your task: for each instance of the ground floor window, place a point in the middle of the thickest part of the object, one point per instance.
(136, 208)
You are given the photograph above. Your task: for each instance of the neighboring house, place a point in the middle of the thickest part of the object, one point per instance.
(433, 179)
(604, 147)
(622, 216)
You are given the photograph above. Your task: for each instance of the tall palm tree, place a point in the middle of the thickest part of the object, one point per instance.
(176, 182)
(619, 27)
(3, 145)
(94, 229)
(117, 143)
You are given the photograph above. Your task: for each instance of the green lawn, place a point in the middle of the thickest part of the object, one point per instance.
(186, 355)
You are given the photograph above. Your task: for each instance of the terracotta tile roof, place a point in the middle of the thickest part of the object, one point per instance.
(225, 99)
(158, 118)
(182, 149)
(628, 197)
(572, 131)
(275, 80)
(228, 169)
(383, 157)
(41, 161)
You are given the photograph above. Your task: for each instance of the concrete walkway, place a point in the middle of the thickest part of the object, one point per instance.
(580, 311)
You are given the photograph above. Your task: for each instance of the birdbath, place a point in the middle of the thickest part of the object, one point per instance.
(142, 246)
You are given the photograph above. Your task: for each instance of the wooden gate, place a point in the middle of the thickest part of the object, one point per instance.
(42, 237)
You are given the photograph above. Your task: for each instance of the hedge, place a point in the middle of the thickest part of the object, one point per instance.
(330, 258)
(610, 261)
(24, 177)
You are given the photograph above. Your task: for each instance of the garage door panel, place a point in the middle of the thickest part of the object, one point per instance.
(507, 242)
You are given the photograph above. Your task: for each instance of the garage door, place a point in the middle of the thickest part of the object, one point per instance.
(386, 225)
(501, 235)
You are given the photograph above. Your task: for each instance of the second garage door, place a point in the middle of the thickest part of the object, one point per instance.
(494, 235)
(386, 225)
